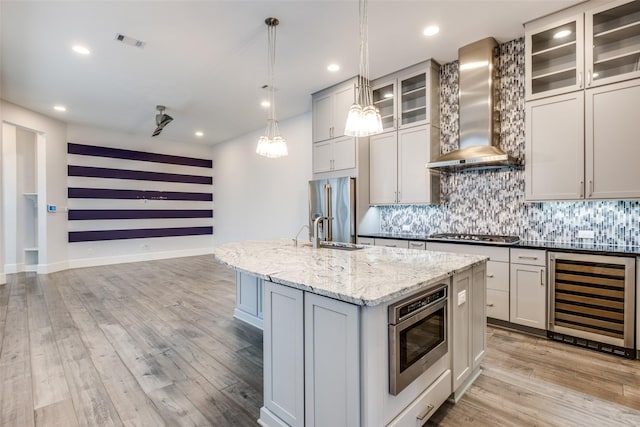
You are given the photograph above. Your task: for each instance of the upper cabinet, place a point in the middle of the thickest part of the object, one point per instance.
(330, 109)
(409, 97)
(583, 47)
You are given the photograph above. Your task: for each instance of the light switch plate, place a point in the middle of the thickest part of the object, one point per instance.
(52, 208)
(406, 228)
(462, 297)
(586, 234)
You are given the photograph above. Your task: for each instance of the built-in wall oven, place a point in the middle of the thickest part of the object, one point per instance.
(417, 335)
(592, 301)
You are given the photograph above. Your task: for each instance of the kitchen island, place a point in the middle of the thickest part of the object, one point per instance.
(326, 330)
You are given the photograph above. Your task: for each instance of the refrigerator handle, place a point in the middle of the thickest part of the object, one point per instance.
(329, 212)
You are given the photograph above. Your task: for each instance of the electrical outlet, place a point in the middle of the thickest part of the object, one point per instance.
(586, 234)
(406, 228)
(462, 297)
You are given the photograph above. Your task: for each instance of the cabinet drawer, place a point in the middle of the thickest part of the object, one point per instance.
(494, 253)
(425, 405)
(417, 244)
(393, 243)
(498, 275)
(369, 241)
(529, 256)
(498, 304)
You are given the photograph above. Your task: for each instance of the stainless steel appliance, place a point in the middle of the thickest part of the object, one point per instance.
(417, 335)
(480, 238)
(592, 301)
(335, 200)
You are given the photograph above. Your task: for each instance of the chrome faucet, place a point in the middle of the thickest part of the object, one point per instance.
(316, 238)
(295, 241)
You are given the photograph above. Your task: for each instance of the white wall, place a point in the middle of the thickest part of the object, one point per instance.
(53, 256)
(83, 254)
(259, 198)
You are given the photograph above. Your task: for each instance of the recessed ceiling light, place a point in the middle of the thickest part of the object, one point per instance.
(333, 67)
(431, 30)
(199, 134)
(60, 108)
(265, 104)
(561, 34)
(81, 50)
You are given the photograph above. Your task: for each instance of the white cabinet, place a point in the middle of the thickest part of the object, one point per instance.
(528, 288)
(409, 97)
(249, 296)
(368, 241)
(392, 243)
(332, 362)
(330, 108)
(283, 347)
(398, 166)
(334, 154)
(478, 324)
(612, 149)
(588, 45)
(554, 153)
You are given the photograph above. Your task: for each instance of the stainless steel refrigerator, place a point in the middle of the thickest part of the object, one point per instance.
(335, 199)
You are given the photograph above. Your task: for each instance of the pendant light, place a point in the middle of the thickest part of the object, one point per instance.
(363, 118)
(271, 144)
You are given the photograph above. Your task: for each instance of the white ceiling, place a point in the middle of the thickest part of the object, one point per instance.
(206, 60)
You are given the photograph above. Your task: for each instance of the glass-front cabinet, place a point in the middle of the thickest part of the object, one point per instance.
(613, 31)
(555, 53)
(405, 98)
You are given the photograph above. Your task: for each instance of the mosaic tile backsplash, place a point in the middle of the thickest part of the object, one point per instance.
(493, 201)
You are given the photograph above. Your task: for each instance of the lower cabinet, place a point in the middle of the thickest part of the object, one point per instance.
(528, 288)
(248, 299)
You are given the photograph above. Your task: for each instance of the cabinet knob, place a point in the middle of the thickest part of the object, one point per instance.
(490, 276)
(489, 305)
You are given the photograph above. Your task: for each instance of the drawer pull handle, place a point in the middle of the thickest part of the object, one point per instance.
(416, 244)
(528, 257)
(390, 246)
(422, 416)
(489, 305)
(490, 276)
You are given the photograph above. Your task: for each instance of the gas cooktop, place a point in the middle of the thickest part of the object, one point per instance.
(479, 238)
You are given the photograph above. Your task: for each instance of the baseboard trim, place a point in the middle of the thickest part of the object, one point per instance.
(3, 279)
(248, 318)
(140, 257)
(269, 419)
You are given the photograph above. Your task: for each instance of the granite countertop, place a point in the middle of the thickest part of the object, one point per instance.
(580, 247)
(368, 276)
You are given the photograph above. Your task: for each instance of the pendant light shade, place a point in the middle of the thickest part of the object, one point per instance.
(363, 118)
(271, 144)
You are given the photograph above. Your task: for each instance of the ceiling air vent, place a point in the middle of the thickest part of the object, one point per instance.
(129, 41)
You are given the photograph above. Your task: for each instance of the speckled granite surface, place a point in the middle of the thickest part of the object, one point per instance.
(368, 276)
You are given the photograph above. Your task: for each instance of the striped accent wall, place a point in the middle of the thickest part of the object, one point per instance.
(117, 194)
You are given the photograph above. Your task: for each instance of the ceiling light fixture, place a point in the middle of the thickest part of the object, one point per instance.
(333, 67)
(199, 134)
(271, 144)
(363, 118)
(81, 50)
(561, 34)
(265, 104)
(162, 119)
(60, 108)
(431, 30)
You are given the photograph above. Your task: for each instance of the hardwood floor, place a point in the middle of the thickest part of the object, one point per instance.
(155, 343)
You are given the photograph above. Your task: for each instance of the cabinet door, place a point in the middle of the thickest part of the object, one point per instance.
(322, 156)
(413, 97)
(344, 153)
(247, 293)
(322, 117)
(554, 57)
(460, 331)
(414, 179)
(332, 368)
(392, 243)
(554, 157)
(342, 100)
(479, 314)
(528, 295)
(383, 164)
(612, 141)
(283, 344)
(384, 98)
(612, 44)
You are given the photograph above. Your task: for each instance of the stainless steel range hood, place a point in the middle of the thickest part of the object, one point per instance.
(479, 137)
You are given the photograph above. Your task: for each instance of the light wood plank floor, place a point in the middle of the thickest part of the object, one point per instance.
(155, 343)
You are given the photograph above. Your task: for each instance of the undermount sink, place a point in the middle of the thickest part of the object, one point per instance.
(341, 246)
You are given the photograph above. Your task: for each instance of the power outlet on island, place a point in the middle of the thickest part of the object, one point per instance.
(406, 228)
(462, 297)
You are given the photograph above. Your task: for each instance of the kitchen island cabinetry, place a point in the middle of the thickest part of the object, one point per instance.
(249, 295)
(326, 331)
(528, 288)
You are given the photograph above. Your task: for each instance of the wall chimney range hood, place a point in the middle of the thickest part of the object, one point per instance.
(479, 137)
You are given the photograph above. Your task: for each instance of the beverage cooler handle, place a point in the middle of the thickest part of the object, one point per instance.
(329, 212)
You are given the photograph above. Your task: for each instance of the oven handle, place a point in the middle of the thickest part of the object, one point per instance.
(418, 316)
